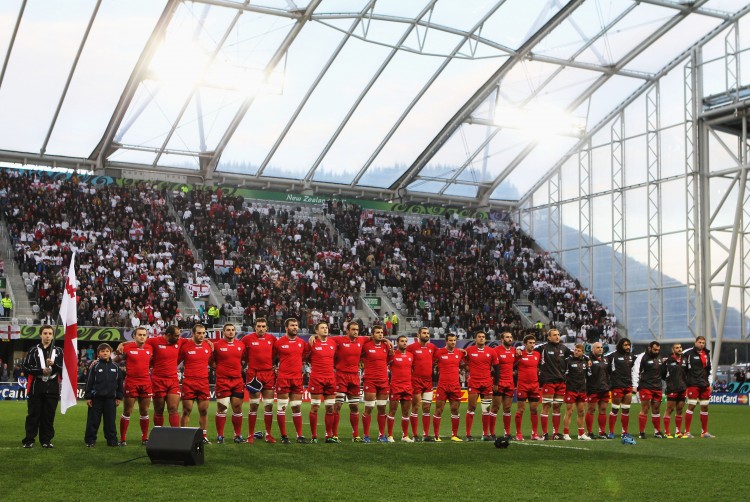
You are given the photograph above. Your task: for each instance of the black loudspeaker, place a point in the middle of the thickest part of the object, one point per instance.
(177, 446)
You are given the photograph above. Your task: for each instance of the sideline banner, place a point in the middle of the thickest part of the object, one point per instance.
(14, 391)
(727, 398)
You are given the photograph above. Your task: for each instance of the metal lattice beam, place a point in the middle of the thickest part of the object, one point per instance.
(102, 150)
(210, 166)
(488, 87)
(12, 42)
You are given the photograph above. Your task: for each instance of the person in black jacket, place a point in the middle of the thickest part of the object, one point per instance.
(597, 389)
(577, 367)
(697, 363)
(648, 369)
(43, 365)
(552, 380)
(619, 368)
(673, 374)
(103, 395)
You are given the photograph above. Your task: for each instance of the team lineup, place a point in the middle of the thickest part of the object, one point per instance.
(395, 376)
(549, 372)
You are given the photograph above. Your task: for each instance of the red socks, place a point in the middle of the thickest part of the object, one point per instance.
(470, 421)
(252, 417)
(366, 421)
(354, 421)
(297, 420)
(268, 421)
(314, 424)
(590, 422)
(455, 419)
(124, 422)
(221, 420)
(143, 421)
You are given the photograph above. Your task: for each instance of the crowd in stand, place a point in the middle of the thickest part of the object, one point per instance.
(131, 258)
(281, 263)
(459, 274)
(466, 274)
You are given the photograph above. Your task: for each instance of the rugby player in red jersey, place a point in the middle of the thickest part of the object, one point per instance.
(289, 351)
(164, 380)
(506, 356)
(196, 354)
(527, 366)
(259, 347)
(401, 363)
(348, 354)
(421, 383)
(376, 388)
(137, 357)
(482, 362)
(229, 353)
(576, 368)
(448, 362)
(322, 381)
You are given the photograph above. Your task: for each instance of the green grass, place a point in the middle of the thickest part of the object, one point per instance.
(653, 469)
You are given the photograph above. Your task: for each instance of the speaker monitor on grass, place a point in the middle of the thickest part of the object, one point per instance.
(178, 446)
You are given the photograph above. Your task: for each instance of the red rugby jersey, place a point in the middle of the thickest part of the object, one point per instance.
(196, 359)
(137, 362)
(375, 359)
(401, 366)
(164, 357)
(448, 364)
(423, 358)
(528, 369)
(322, 357)
(228, 357)
(348, 352)
(506, 360)
(290, 354)
(480, 363)
(259, 351)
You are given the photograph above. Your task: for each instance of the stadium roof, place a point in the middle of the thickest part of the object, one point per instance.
(468, 100)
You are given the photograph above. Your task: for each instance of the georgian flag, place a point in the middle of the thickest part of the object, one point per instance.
(69, 317)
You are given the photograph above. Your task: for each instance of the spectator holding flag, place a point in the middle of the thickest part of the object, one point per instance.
(43, 364)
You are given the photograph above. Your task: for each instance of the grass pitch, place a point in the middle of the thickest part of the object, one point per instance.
(717, 469)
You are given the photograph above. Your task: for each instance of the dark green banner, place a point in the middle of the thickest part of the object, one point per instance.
(85, 334)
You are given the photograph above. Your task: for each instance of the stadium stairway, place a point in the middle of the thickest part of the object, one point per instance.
(334, 231)
(16, 285)
(536, 315)
(215, 297)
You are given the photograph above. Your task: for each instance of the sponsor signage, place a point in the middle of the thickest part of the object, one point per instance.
(12, 391)
(726, 398)
(372, 301)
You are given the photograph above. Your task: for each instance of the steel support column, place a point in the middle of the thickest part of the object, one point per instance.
(619, 277)
(655, 292)
(585, 253)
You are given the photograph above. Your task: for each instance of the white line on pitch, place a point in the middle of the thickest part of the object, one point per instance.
(550, 446)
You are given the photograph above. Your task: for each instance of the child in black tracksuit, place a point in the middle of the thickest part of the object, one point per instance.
(103, 396)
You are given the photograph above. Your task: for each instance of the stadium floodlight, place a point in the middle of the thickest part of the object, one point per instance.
(537, 121)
